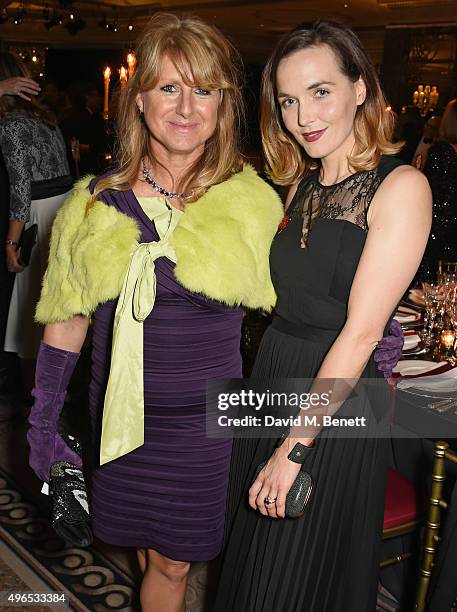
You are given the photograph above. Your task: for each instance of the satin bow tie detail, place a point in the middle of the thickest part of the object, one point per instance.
(123, 412)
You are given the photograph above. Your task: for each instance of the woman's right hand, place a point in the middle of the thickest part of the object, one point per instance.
(12, 259)
(54, 369)
(47, 446)
(274, 481)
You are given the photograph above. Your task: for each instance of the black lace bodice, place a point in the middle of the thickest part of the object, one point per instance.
(313, 283)
(348, 200)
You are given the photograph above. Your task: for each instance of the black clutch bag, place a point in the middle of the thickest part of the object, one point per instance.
(70, 507)
(299, 493)
(26, 244)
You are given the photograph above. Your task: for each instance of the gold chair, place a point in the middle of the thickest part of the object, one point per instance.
(431, 539)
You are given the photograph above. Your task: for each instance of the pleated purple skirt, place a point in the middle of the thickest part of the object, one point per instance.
(169, 494)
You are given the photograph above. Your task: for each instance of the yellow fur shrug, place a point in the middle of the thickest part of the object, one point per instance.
(222, 245)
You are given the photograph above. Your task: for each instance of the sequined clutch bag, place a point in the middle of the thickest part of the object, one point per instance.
(299, 493)
(70, 507)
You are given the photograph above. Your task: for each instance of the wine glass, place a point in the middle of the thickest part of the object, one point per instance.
(434, 306)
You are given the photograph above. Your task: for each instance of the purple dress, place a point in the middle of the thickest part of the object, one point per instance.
(170, 493)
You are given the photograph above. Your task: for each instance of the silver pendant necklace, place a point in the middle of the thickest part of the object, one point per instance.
(168, 194)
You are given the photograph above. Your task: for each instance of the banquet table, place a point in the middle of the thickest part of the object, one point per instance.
(413, 418)
(424, 389)
(417, 420)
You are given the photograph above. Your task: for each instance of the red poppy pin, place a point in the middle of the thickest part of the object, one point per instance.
(284, 222)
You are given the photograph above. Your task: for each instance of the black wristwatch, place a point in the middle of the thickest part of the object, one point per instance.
(298, 453)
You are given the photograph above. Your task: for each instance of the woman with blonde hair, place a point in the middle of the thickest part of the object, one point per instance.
(441, 171)
(356, 226)
(161, 254)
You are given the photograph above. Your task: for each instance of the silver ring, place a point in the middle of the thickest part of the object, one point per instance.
(268, 501)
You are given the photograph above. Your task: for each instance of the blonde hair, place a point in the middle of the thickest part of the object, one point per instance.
(448, 125)
(286, 160)
(203, 58)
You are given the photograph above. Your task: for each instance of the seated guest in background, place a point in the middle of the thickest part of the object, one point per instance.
(356, 227)
(53, 99)
(34, 154)
(429, 136)
(408, 131)
(441, 171)
(167, 232)
(84, 123)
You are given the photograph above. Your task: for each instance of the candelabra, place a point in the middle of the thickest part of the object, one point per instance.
(426, 98)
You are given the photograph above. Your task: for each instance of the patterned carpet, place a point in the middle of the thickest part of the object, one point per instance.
(101, 578)
(90, 578)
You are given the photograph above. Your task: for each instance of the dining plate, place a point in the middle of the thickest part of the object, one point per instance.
(439, 384)
(406, 315)
(407, 310)
(407, 367)
(410, 342)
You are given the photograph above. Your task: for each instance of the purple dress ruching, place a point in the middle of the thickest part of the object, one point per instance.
(169, 494)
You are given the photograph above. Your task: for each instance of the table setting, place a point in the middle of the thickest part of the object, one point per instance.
(424, 407)
(426, 374)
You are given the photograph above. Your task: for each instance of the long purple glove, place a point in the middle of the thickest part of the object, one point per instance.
(53, 373)
(388, 351)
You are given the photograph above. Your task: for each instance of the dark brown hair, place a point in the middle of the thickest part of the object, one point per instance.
(448, 124)
(10, 67)
(373, 124)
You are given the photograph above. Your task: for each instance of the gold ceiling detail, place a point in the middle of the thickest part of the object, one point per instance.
(415, 3)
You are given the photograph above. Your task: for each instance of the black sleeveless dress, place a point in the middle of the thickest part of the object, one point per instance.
(327, 560)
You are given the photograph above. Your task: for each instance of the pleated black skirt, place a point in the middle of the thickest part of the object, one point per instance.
(328, 559)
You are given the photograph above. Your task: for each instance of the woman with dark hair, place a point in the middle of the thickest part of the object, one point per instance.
(24, 88)
(36, 162)
(152, 253)
(356, 227)
(441, 171)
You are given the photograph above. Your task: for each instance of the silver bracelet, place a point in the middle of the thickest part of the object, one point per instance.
(13, 242)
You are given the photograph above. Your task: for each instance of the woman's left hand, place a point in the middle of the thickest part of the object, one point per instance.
(12, 260)
(19, 86)
(274, 481)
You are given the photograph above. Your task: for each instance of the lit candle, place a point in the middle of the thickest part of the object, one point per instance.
(447, 339)
(123, 76)
(131, 61)
(434, 96)
(106, 76)
(421, 99)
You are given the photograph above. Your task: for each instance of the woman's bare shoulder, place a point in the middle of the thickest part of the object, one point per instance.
(404, 190)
